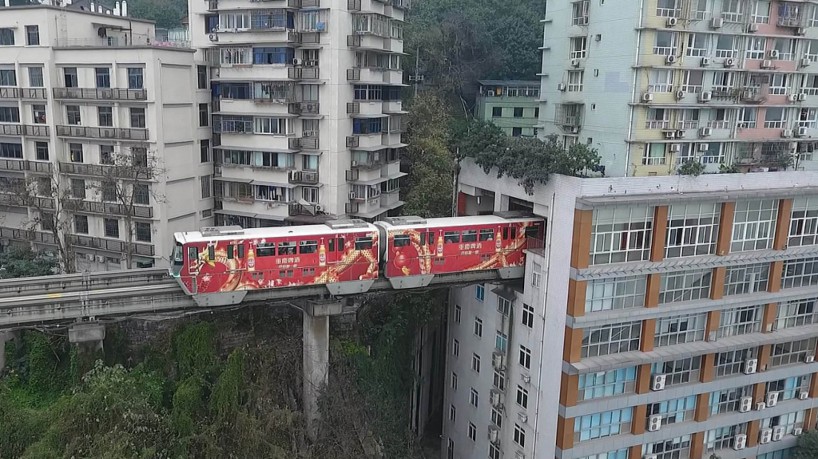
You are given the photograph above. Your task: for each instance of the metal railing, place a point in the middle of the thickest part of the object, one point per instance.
(102, 132)
(100, 93)
(97, 207)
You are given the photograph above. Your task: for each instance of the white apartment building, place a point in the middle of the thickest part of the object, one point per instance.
(307, 116)
(81, 92)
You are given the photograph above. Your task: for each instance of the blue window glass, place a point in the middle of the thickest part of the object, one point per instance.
(270, 55)
(481, 292)
(367, 125)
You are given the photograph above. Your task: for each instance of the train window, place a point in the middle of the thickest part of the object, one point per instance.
(532, 231)
(513, 232)
(192, 253)
(486, 234)
(266, 250)
(340, 247)
(363, 243)
(308, 271)
(241, 251)
(286, 273)
(286, 248)
(307, 247)
(211, 252)
(422, 239)
(178, 254)
(451, 236)
(505, 233)
(470, 236)
(230, 249)
(401, 240)
(331, 245)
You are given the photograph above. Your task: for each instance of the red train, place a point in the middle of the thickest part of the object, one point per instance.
(217, 266)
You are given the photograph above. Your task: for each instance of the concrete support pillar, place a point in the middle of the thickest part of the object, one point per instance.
(5, 337)
(316, 358)
(92, 333)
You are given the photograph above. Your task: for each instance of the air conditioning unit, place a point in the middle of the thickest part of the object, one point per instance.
(797, 431)
(561, 87)
(765, 436)
(802, 97)
(352, 195)
(802, 132)
(354, 163)
(670, 59)
(494, 434)
(705, 96)
(705, 61)
(739, 441)
(523, 417)
(526, 379)
(680, 94)
(654, 423)
(575, 62)
(671, 22)
(805, 62)
(729, 62)
(752, 28)
(746, 404)
(786, 133)
(496, 398)
(750, 366)
(100, 259)
(647, 97)
(761, 406)
(792, 97)
(716, 23)
(778, 433)
(705, 132)
(767, 64)
(704, 147)
(213, 37)
(670, 134)
(297, 61)
(774, 53)
(680, 134)
(215, 29)
(498, 361)
(803, 395)
(658, 382)
(675, 148)
(89, 257)
(311, 63)
(772, 399)
(809, 359)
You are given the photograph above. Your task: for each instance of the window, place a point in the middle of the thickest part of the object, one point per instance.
(272, 55)
(106, 154)
(692, 81)
(579, 12)
(204, 115)
(454, 381)
(606, 383)
(204, 150)
(697, 45)
(789, 422)
(685, 285)
(681, 371)
(658, 118)
(516, 132)
(740, 321)
(105, 116)
(519, 435)
(475, 363)
(41, 151)
(660, 80)
(103, 77)
(111, 227)
(722, 437)
(611, 339)
(137, 117)
(206, 187)
(501, 341)
(32, 35)
(775, 118)
(136, 78)
(780, 83)
(680, 329)
(674, 411)
(78, 188)
(789, 388)
(75, 152)
(143, 231)
(480, 292)
(753, 224)
(450, 449)
(81, 224)
(747, 118)
(756, 47)
(503, 306)
(8, 77)
(601, 425)
(496, 418)
(518, 112)
(201, 76)
(109, 191)
(673, 448)
(536, 276)
(665, 43)
(791, 352)
(11, 151)
(795, 313)
(579, 47)
(746, 279)
(44, 186)
(528, 316)
(522, 396)
(804, 221)
(692, 229)
(575, 80)
(732, 10)
(70, 77)
(785, 48)
(668, 8)
(732, 362)
(621, 233)
(499, 380)
(452, 413)
(457, 313)
(455, 348)
(615, 293)
(35, 77)
(525, 357)
(478, 327)
(142, 194)
(800, 272)
(728, 400)
(496, 112)
(38, 113)
(6, 37)
(72, 113)
(760, 12)
(655, 153)
(9, 115)
(474, 398)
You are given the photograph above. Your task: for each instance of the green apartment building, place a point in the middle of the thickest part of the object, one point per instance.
(512, 105)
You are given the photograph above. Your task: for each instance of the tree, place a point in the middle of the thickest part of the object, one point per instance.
(691, 167)
(167, 13)
(807, 445)
(127, 186)
(23, 262)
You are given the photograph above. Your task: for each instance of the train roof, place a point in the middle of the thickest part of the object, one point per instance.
(414, 222)
(231, 233)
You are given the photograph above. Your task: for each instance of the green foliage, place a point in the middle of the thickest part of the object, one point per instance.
(188, 405)
(23, 262)
(725, 169)
(21, 424)
(194, 350)
(224, 403)
(807, 447)
(691, 167)
(167, 13)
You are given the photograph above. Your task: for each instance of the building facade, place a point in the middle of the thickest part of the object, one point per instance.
(307, 116)
(84, 96)
(654, 83)
(661, 317)
(514, 106)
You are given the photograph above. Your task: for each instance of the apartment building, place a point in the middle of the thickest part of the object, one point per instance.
(84, 96)
(307, 115)
(727, 83)
(512, 105)
(661, 318)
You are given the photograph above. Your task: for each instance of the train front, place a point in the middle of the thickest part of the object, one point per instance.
(177, 261)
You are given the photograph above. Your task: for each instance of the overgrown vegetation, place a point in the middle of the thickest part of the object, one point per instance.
(19, 261)
(691, 167)
(807, 447)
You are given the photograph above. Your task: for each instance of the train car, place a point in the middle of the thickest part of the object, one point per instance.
(218, 265)
(414, 250)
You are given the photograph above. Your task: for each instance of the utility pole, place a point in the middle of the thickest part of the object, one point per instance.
(417, 77)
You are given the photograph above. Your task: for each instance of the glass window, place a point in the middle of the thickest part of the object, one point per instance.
(795, 313)
(673, 448)
(722, 437)
(9, 115)
(522, 396)
(6, 37)
(528, 316)
(11, 151)
(111, 227)
(681, 371)
(142, 193)
(136, 79)
(601, 425)
(35, 77)
(41, 151)
(32, 35)
(8, 77)
(478, 326)
(143, 231)
(685, 285)
(525, 357)
(743, 279)
(70, 77)
(621, 233)
(204, 115)
(611, 339)
(72, 113)
(733, 362)
(615, 293)
(680, 329)
(692, 229)
(75, 152)
(103, 77)
(792, 352)
(475, 363)
(740, 321)
(105, 116)
(137, 117)
(804, 221)
(674, 411)
(606, 383)
(753, 224)
(800, 272)
(81, 224)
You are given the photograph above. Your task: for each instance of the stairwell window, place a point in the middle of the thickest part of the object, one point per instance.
(666, 43)
(575, 80)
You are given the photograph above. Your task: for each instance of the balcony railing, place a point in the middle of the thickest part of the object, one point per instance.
(303, 73)
(100, 93)
(9, 199)
(352, 141)
(17, 234)
(23, 93)
(114, 209)
(102, 170)
(308, 143)
(24, 165)
(24, 129)
(304, 177)
(351, 207)
(102, 133)
(110, 245)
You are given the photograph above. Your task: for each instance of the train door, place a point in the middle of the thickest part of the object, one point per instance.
(193, 267)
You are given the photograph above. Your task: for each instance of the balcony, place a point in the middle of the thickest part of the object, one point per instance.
(365, 108)
(374, 42)
(110, 245)
(17, 234)
(24, 129)
(374, 141)
(25, 165)
(303, 73)
(14, 200)
(96, 207)
(23, 93)
(305, 108)
(88, 132)
(100, 94)
(303, 177)
(402, 4)
(102, 170)
(569, 117)
(392, 106)
(252, 207)
(304, 143)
